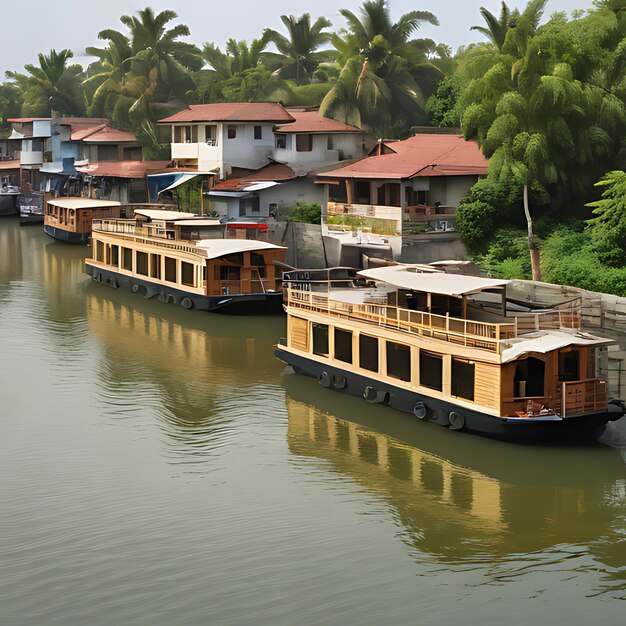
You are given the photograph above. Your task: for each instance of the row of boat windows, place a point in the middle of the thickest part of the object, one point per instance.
(400, 363)
(150, 265)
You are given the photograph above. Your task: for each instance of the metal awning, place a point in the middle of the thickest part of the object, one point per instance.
(183, 178)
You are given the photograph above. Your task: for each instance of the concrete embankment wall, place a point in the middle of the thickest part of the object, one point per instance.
(602, 313)
(307, 247)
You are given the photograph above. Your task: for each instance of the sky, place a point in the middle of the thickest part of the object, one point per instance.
(75, 24)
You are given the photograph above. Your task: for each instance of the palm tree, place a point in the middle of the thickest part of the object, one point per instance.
(383, 65)
(497, 28)
(298, 56)
(108, 74)
(53, 85)
(238, 57)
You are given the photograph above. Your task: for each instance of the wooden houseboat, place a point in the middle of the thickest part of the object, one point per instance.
(449, 348)
(70, 219)
(186, 260)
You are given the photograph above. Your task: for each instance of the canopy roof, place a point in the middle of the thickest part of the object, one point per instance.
(83, 203)
(219, 247)
(418, 278)
(163, 214)
(546, 341)
(199, 221)
(121, 169)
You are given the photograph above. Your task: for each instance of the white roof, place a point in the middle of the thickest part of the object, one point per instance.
(547, 341)
(163, 214)
(198, 222)
(83, 203)
(430, 280)
(219, 247)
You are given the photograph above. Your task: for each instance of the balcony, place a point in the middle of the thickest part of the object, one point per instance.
(379, 220)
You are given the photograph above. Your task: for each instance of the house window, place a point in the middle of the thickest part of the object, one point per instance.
(462, 383)
(185, 134)
(399, 361)
(258, 132)
(211, 135)
(281, 141)
(170, 269)
(330, 144)
(304, 143)
(320, 339)
(431, 370)
(368, 353)
(142, 263)
(108, 153)
(187, 274)
(133, 154)
(232, 132)
(343, 345)
(127, 259)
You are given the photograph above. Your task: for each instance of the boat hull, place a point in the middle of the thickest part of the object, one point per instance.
(583, 428)
(66, 236)
(237, 304)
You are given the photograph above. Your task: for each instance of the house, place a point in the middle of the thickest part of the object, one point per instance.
(264, 155)
(402, 198)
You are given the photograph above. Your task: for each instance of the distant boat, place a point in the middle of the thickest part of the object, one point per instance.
(449, 348)
(184, 259)
(70, 219)
(8, 199)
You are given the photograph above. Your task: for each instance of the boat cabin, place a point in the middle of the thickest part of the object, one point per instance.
(71, 219)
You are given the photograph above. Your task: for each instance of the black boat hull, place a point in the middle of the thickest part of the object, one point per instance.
(65, 236)
(236, 304)
(584, 428)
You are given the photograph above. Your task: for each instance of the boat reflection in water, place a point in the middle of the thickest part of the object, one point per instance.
(477, 502)
(196, 374)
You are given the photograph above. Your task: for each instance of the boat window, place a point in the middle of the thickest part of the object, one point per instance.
(127, 259)
(343, 345)
(115, 256)
(320, 339)
(187, 274)
(170, 269)
(204, 274)
(236, 258)
(368, 353)
(229, 273)
(569, 365)
(100, 251)
(155, 266)
(142, 263)
(257, 259)
(529, 378)
(398, 361)
(463, 377)
(431, 370)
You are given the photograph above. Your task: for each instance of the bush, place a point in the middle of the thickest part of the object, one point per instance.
(308, 212)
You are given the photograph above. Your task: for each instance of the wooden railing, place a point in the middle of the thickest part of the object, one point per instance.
(582, 396)
(468, 333)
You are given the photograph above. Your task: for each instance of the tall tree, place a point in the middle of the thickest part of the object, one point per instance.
(298, 55)
(384, 65)
(53, 85)
(239, 56)
(497, 27)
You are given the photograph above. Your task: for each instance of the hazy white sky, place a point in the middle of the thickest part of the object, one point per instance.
(43, 24)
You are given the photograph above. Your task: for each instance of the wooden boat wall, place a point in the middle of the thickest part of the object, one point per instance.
(406, 339)
(186, 260)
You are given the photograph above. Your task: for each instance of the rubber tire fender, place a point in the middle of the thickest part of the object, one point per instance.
(420, 410)
(457, 421)
(339, 382)
(186, 303)
(374, 397)
(135, 288)
(325, 380)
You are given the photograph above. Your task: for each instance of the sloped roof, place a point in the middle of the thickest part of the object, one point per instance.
(310, 121)
(122, 169)
(83, 203)
(219, 247)
(101, 133)
(270, 112)
(420, 155)
(275, 172)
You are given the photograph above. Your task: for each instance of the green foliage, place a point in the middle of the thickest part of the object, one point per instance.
(443, 106)
(308, 212)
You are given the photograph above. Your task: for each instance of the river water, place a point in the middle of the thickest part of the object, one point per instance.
(160, 466)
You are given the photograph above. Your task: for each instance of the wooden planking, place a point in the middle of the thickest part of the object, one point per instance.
(298, 333)
(487, 385)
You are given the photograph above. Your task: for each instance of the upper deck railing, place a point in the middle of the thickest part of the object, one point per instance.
(467, 332)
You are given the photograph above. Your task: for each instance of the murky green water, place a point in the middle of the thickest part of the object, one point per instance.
(159, 466)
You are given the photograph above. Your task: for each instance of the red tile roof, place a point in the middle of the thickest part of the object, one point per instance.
(275, 172)
(270, 112)
(312, 122)
(102, 133)
(123, 169)
(421, 155)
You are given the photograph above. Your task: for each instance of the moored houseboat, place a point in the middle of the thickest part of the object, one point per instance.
(449, 348)
(70, 219)
(186, 260)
